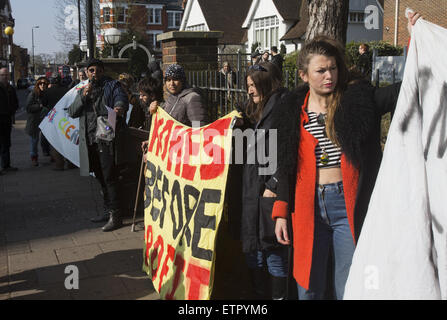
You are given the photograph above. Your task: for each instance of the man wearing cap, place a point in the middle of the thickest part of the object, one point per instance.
(183, 103)
(98, 155)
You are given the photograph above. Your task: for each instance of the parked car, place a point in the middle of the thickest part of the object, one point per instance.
(23, 83)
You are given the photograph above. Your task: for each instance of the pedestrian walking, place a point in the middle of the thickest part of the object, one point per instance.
(8, 107)
(36, 107)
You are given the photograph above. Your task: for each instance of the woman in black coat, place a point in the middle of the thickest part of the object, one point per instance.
(259, 183)
(36, 107)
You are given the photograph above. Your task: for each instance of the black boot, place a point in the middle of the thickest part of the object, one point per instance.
(115, 221)
(279, 288)
(260, 283)
(103, 218)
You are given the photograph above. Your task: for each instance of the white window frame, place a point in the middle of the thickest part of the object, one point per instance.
(115, 12)
(151, 14)
(175, 14)
(266, 32)
(359, 17)
(155, 44)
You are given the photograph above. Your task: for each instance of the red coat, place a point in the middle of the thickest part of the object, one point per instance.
(303, 217)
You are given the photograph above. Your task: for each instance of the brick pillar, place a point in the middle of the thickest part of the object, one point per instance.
(193, 50)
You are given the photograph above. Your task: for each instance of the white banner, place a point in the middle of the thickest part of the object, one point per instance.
(61, 131)
(402, 250)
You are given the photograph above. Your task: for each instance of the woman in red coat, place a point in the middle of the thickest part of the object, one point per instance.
(329, 157)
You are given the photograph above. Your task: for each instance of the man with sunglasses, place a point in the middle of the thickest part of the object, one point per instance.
(95, 154)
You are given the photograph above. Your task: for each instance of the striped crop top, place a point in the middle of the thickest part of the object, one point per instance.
(328, 155)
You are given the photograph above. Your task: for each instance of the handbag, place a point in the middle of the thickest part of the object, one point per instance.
(104, 131)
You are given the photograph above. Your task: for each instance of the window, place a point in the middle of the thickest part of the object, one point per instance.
(266, 32)
(197, 27)
(174, 19)
(121, 14)
(356, 17)
(152, 35)
(154, 16)
(106, 14)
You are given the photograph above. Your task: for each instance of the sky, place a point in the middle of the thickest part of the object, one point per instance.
(29, 13)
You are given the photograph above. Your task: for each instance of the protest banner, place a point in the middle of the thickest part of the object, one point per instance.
(184, 196)
(401, 252)
(61, 131)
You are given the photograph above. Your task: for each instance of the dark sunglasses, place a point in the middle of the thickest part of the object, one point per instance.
(92, 70)
(257, 67)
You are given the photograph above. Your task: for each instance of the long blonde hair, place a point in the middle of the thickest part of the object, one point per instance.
(323, 45)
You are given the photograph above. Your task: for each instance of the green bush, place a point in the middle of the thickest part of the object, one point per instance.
(384, 49)
(289, 68)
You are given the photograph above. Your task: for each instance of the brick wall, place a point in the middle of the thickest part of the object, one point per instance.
(433, 10)
(193, 50)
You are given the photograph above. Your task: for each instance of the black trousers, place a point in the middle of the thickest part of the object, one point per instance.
(102, 163)
(5, 140)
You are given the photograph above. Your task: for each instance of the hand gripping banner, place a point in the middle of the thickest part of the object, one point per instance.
(185, 179)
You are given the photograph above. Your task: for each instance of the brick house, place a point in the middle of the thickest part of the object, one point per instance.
(150, 17)
(5, 21)
(395, 30)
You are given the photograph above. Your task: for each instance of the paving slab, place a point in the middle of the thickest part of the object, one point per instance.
(45, 227)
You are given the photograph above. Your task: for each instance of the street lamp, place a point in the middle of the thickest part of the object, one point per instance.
(32, 39)
(9, 31)
(83, 45)
(112, 36)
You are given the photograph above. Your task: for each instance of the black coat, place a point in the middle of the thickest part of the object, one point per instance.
(357, 125)
(257, 226)
(36, 107)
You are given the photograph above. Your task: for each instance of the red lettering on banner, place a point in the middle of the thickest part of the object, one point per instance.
(155, 134)
(167, 129)
(217, 167)
(165, 268)
(179, 269)
(148, 242)
(158, 243)
(198, 276)
(175, 150)
(192, 148)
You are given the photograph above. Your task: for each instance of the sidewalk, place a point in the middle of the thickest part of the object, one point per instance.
(44, 227)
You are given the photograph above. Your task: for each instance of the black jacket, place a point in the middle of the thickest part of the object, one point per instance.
(357, 125)
(36, 107)
(278, 61)
(257, 226)
(8, 101)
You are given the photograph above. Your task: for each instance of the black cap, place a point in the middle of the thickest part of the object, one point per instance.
(95, 62)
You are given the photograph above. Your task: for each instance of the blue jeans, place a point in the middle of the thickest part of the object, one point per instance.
(276, 260)
(34, 144)
(332, 238)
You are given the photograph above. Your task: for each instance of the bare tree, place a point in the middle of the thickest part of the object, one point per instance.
(328, 17)
(66, 21)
